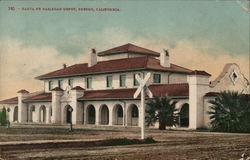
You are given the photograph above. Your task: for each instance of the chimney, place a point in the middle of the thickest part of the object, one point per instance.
(93, 58)
(164, 58)
(64, 66)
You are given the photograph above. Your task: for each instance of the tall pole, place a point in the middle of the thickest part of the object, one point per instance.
(143, 113)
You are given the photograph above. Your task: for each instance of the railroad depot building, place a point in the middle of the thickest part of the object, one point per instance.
(100, 92)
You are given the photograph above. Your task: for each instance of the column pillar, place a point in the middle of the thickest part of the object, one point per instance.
(56, 105)
(77, 113)
(22, 107)
(97, 116)
(198, 87)
(111, 115)
(48, 114)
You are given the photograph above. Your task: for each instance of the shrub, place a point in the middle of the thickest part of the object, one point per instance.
(3, 117)
(125, 141)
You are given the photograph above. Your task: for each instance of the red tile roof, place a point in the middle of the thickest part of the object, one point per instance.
(212, 94)
(40, 97)
(127, 64)
(78, 88)
(179, 89)
(10, 100)
(23, 91)
(173, 90)
(128, 48)
(57, 89)
(157, 90)
(197, 72)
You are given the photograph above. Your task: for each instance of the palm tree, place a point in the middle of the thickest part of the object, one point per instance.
(230, 112)
(162, 109)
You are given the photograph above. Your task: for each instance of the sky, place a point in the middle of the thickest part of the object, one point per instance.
(199, 34)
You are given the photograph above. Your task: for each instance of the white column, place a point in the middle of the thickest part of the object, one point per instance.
(77, 106)
(56, 106)
(11, 113)
(85, 118)
(47, 114)
(124, 115)
(111, 115)
(198, 87)
(97, 116)
(22, 107)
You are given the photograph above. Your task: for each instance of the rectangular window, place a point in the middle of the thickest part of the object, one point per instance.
(109, 81)
(136, 83)
(157, 78)
(70, 82)
(50, 85)
(60, 83)
(89, 82)
(122, 80)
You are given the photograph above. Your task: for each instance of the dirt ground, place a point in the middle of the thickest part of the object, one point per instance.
(56, 142)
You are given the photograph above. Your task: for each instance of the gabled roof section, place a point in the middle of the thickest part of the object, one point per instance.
(57, 89)
(128, 48)
(173, 90)
(13, 100)
(197, 72)
(23, 91)
(78, 88)
(112, 66)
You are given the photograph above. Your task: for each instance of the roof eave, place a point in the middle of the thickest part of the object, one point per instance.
(8, 102)
(33, 101)
(104, 99)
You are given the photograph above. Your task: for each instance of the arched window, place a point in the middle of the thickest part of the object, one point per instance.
(134, 111)
(120, 112)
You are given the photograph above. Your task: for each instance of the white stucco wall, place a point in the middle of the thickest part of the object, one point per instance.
(99, 81)
(206, 109)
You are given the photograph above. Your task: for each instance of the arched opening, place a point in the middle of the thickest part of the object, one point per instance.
(184, 115)
(32, 110)
(42, 114)
(15, 115)
(132, 115)
(90, 114)
(104, 114)
(69, 111)
(118, 115)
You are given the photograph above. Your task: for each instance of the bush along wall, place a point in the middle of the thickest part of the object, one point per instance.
(3, 117)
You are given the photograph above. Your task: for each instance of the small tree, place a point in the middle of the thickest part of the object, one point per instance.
(230, 112)
(162, 109)
(3, 118)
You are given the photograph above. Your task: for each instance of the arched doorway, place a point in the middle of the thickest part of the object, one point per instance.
(118, 115)
(15, 115)
(90, 114)
(104, 114)
(42, 114)
(69, 111)
(132, 115)
(184, 115)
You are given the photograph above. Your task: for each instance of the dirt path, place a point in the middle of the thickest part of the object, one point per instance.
(171, 145)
